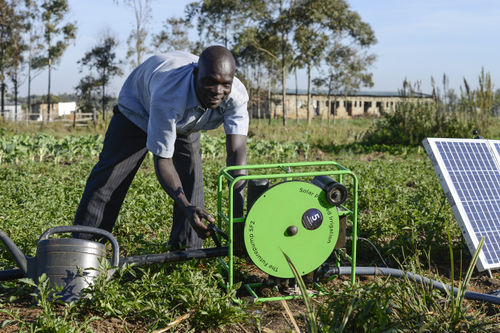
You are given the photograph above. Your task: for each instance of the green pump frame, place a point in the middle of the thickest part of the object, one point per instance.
(280, 171)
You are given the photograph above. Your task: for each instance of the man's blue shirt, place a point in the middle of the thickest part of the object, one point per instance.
(160, 98)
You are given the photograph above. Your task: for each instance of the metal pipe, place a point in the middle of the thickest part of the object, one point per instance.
(336, 193)
(411, 276)
(174, 256)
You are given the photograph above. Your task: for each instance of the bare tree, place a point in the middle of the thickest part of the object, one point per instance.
(137, 40)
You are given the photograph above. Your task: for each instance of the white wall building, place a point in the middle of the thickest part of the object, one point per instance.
(66, 108)
(10, 113)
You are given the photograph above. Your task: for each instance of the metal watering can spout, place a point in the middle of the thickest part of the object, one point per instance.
(21, 259)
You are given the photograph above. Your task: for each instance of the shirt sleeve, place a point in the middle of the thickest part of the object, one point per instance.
(161, 130)
(236, 120)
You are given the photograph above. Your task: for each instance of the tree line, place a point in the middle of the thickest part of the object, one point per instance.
(271, 39)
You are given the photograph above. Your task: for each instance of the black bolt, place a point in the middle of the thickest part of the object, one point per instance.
(292, 230)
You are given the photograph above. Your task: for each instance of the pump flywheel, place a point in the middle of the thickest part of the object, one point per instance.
(295, 218)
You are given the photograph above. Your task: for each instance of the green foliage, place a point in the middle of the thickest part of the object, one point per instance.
(54, 317)
(358, 308)
(41, 147)
(53, 14)
(174, 36)
(157, 295)
(102, 59)
(404, 305)
(413, 121)
(215, 147)
(389, 305)
(401, 205)
(433, 311)
(401, 210)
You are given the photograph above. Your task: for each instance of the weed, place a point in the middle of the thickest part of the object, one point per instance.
(411, 122)
(55, 316)
(157, 295)
(310, 314)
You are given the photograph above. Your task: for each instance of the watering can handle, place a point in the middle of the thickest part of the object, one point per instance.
(88, 230)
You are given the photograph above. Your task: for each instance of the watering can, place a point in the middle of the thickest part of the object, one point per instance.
(70, 263)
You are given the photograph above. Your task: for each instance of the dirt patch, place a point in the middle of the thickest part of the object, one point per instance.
(376, 155)
(265, 317)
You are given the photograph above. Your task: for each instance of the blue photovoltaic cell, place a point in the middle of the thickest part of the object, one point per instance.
(476, 179)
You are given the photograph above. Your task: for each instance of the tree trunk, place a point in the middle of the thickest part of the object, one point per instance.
(283, 68)
(334, 108)
(2, 74)
(258, 95)
(48, 91)
(30, 59)
(296, 98)
(2, 87)
(308, 94)
(329, 108)
(29, 90)
(269, 100)
(103, 102)
(329, 99)
(15, 99)
(283, 78)
(275, 104)
(103, 95)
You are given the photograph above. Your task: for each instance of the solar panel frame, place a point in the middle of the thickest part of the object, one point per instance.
(471, 173)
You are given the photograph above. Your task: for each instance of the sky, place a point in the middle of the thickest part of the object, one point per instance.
(417, 40)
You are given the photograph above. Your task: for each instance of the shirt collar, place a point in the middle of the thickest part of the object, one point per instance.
(193, 101)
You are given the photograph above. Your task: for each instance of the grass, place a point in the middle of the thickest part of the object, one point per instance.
(42, 177)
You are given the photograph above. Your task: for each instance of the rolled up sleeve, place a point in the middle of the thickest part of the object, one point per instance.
(236, 120)
(161, 132)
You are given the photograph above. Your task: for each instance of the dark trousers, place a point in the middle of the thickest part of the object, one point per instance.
(123, 151)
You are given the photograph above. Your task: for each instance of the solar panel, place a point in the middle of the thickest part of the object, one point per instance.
(469, 172)
(497, 150)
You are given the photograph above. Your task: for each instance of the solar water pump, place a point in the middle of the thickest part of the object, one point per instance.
(292, 208)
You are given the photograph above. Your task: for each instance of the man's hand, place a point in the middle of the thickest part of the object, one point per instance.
(169, 180)
(196, 216)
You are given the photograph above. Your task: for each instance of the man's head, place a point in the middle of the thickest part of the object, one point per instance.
(214, 76)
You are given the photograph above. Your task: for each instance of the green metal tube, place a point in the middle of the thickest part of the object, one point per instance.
(354, 228)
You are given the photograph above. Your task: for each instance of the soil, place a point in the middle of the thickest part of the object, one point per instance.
(273, 316)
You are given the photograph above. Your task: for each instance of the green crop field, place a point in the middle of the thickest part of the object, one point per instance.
(401, 211)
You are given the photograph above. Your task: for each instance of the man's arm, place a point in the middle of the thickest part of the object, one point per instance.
(171, 183)
(236, 147)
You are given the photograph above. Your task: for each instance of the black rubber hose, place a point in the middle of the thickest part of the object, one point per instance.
(11, 274)
(175, 256)
(411, 276)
